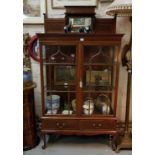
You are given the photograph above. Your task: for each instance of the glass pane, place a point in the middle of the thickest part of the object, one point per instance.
(59, 54)
(98, 55)
(98, 80)
(59, 69)
(60, 103)
(98, 67)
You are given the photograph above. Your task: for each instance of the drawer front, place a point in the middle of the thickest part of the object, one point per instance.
(97, 124)
(49, 124)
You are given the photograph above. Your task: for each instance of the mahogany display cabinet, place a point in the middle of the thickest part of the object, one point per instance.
(79, 78)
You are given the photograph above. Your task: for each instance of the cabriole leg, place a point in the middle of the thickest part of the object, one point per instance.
(44, 140)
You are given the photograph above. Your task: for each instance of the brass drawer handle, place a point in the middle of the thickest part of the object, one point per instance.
(60, 125)
(97, 125)
(57, 124)
(94, 124)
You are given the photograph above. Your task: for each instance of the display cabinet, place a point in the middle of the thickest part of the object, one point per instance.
(79, 82)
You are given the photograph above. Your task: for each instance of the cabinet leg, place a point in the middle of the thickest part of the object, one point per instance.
(44, 140)
(114, 142)
(110, 140)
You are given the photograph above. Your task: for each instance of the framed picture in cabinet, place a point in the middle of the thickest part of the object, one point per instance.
(57, 4)
(64, 75)
(33, 11)
(98, 77)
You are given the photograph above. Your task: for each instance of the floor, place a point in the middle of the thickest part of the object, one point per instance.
(76, 145)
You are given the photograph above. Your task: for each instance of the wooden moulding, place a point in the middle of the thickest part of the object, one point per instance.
(104, 26)
(84, 10)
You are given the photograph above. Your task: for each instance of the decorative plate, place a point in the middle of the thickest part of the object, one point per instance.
(34, 48)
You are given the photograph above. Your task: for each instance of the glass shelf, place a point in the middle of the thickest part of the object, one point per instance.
(46, 62)
(98, 64)
(60, 112)
(60, 88)
(97, 91)
(53, 63)
(59, 91)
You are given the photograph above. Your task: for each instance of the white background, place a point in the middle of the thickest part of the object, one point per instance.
(11, 92)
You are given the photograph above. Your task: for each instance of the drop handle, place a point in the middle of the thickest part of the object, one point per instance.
(57, 124)
(97, 125)
(94, 124)
(63, 124)
(60, 125)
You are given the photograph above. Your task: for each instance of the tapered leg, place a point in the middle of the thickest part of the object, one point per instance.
(44, 140)
(115, 141)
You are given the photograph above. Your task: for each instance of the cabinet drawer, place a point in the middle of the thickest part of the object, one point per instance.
(48, 124)
(97, 124)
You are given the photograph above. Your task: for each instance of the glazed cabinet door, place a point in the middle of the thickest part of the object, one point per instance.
(99, 78)
(58, 74)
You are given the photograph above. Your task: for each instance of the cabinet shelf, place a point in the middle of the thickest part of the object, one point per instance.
(85, 64)
(60, 91)
(95, 114)
(98, 64)
(60, 114)
(88, 90)
(66, 64)
(97, 91)
(74, 91)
